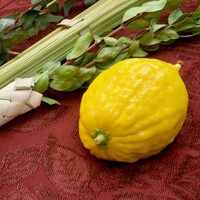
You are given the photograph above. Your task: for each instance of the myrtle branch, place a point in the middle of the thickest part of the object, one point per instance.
(114, 32)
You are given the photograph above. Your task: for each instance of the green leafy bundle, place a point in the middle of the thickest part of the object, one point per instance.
(83, 66)
(17, 27)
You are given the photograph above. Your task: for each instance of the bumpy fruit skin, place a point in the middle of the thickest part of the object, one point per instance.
(140, 102)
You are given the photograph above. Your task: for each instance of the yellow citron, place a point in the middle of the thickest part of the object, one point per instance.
(133, 110)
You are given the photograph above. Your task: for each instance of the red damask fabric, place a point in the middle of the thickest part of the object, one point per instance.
(41, 156)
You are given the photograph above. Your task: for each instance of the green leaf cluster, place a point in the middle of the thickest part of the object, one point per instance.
(17, 27)
(149, 7)
(149, 37)
(185, 24)
(63, 77)
(83, 65)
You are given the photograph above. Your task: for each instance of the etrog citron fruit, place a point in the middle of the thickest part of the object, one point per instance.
(133, 110)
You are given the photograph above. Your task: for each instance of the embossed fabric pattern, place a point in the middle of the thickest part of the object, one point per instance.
(42, 158)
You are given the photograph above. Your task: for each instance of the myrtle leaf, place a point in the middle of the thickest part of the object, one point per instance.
(109, 63)
(153, 42)
(55, 7)
(110, 41)
(89, 2)
(125, 40)
(38, 8)
(35, 2)
(86, 84)
(167, 34)
(97, 38)
(169, 42)
(152, 6)
(79, 60)
(194, 29)
(41, 82)
(139, 23)
(67, 6)
(107, 53)
(133, 47)
(153, 15)
(185, 24)
(31, 26)
(62, 85)
(77, 84)
(172, 4)
(139, 53)
(8, 21)
(89, 57)
(27, 19)
(84, 74)
(4, 52)
(52, 18)
(182, 18)
(148, 37)
(4, 57)
(64, 72)
(174, 16)
(81, 45)
(157, 27)
(153, 21)
(51, 66)
(50, 101)
(17, 35)
(196, 13)
(41, 23)
(152, 48)
(43, 20)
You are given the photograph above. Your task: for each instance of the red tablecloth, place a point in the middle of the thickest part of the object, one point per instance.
(41, 156)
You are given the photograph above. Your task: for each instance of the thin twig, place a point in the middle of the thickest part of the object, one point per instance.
(69, 62)
(90, 64)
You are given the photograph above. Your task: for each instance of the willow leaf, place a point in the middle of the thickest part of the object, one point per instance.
(67, 6)
(89, 2)
(8, 21)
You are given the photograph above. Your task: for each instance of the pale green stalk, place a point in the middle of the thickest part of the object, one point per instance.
(105, 14)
